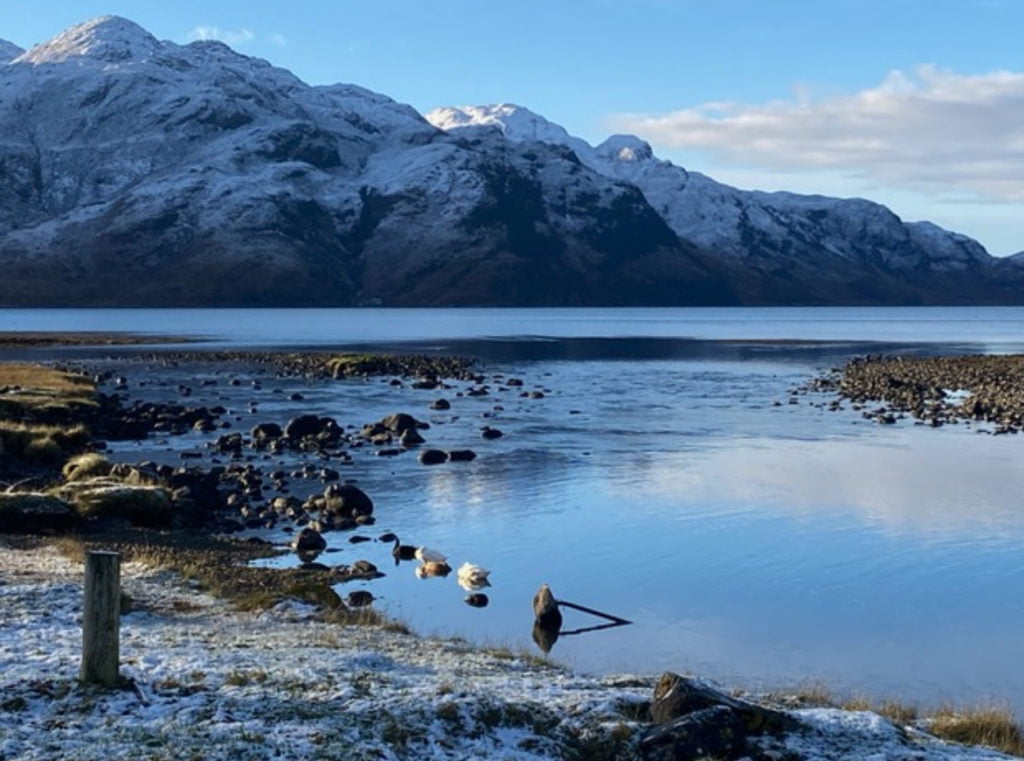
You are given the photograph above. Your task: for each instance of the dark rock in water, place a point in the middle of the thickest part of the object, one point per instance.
(309, 540)
(359, 598)
(363, 567)
(411, 438)
(264, 432)
(347, 500)
(400, 422)
(204, 425)
(440, 404)
(389, 452)
(545, 609)
(228, 443)
(427, 384)
(432, 457)
(296, 397)
(302, 426)
(477, 600)
(491, 433)
(358, 539)
(461, 455)
(716, 732)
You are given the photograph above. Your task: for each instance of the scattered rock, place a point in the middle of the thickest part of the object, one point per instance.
(309, 540)
(432, 457)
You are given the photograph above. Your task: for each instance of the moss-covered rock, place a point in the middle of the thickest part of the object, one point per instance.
(107, 498)
(34, 513)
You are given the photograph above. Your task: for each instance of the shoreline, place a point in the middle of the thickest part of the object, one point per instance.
(605, 720)
(213, 683)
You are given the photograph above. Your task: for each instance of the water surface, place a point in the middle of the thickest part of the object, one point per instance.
(657, 480)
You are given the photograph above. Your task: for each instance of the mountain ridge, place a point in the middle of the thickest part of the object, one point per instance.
(143, 172)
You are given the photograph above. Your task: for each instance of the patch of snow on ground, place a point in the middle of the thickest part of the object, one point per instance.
(208, 683)
(215, 684)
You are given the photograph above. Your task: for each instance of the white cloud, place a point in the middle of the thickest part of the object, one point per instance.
(227, 36)
(279, 39)
(929, 129)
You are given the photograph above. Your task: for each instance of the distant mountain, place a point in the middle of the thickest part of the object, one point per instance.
(9, 51)
(140, 172)
(779, 247)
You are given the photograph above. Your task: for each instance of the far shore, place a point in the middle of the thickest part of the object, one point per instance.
(45, 339)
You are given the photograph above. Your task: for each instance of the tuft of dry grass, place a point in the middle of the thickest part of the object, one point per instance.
(990, 725)
(86, 465)
(39, 393)
(41, 443)
(41, 378)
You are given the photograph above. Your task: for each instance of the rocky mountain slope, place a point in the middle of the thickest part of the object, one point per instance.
(779, 247)
(136, 171)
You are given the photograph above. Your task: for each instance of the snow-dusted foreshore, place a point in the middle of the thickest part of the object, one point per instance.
(213, 684)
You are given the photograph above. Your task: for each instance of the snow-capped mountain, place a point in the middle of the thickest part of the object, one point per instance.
(825, 247)
(139, 171)
(9, 51)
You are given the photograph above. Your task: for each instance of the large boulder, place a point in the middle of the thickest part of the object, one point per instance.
(34, 513)
(717, 732)
(399, 422)
(148, 506)
(347, 500)
(302, 426)
(263, 433)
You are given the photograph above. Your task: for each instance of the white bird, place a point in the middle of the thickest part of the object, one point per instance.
(427, 555)
(472, 577)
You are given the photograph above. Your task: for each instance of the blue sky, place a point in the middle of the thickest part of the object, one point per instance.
(918, 104)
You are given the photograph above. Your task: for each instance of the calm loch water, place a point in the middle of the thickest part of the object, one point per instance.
(762, 545)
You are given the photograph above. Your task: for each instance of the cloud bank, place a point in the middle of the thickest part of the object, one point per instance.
(930, 129)
(227, 36)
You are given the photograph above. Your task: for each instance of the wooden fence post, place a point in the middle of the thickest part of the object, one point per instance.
(101, 625)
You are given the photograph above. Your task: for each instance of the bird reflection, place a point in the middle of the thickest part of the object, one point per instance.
(431, 570)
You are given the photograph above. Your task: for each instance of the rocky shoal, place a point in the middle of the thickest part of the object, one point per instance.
(934, 390)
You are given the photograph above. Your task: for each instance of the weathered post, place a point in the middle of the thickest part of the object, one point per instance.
(101, 619)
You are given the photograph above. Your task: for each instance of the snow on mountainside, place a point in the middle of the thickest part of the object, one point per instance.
(785, 238)
(9, 51)
(140, 171)
(107, 39)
